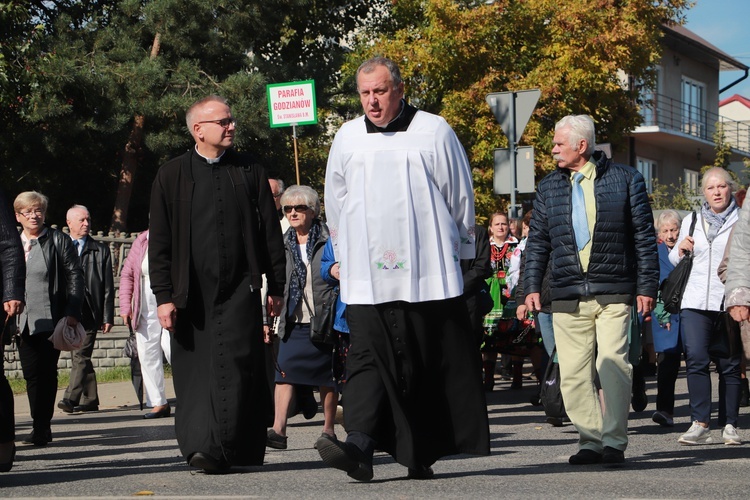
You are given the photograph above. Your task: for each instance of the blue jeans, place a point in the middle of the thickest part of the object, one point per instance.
(695, 328)
(547, 331)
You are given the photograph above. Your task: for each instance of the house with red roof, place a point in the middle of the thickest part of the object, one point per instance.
(681, 113)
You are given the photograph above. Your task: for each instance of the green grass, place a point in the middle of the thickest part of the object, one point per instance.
(103, 376)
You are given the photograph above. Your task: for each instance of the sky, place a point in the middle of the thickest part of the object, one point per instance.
(726, 25)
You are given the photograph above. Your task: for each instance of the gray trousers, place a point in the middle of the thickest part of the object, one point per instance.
(82, 387)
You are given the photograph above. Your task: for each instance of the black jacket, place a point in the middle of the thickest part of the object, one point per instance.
(169, 236)
(66, 285)
(624, 260)
(321, 289)
(99, 304)
(12, 264)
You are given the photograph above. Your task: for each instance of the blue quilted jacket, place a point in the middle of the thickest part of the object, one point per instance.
(624, 259)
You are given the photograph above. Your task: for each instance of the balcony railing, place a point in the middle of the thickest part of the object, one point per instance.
(670, 114)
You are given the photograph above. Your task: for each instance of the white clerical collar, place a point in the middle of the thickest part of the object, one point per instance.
(210, 161)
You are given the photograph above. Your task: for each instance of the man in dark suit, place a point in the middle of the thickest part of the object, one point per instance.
(98, 311)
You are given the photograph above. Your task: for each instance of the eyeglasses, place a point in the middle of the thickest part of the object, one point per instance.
(297, 208)
(38, 212)
(224, 122)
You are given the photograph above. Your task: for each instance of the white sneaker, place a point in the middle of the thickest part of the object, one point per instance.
(730, 436)
(697, 434)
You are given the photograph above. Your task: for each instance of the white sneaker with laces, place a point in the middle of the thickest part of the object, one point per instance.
(730, 436)
(697, 434)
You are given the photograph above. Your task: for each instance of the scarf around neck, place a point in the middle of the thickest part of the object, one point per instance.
(715, 221)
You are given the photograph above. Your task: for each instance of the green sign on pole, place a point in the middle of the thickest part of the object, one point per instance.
(292, 103)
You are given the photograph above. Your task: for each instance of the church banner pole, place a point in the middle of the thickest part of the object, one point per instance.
(296, 157)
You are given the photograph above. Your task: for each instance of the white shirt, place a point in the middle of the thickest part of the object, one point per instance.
(400, 210)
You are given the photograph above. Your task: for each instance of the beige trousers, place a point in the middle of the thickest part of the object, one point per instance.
(594, 340)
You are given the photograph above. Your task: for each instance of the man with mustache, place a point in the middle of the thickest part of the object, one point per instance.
(592, 218)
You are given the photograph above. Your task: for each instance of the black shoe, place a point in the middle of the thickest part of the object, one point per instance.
(612, 456)
(66, 405)
(38, 438)
(555, 421)
(276, 441)
(639, 401)
(86, 407)
(420, 473)
(7, 466)
(346, 457)
(209, 464)
(166, 412)
(585, 457)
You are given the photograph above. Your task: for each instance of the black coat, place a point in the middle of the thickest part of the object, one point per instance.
(66, 286)
(624, 259)
(12, 264)
(99, 304)
(169, 236)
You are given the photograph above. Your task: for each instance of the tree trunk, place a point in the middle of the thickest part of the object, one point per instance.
(129, 165)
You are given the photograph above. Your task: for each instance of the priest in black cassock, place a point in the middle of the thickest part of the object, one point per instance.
(214, 233)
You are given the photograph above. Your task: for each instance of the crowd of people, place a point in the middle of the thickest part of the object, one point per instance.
(408, 293)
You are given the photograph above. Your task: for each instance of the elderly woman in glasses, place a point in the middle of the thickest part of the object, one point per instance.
(54, 290)
(300, 361)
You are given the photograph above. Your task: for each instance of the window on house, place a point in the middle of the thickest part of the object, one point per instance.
(691, 179)
(694, 114)
(648, 169)
(649, 102)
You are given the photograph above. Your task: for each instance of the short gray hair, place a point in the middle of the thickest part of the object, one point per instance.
(304, 194)
(581, 128)
(369, 66)
(666, 217)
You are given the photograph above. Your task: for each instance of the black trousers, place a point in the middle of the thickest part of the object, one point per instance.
(82, 387)
(7, 420)
(39, 365)
(668, 367)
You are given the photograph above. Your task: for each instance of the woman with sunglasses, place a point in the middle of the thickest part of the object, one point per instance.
(300, 361)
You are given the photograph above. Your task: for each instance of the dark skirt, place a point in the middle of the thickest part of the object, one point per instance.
(304, 363)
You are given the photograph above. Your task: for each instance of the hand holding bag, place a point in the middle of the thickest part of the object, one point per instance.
(673, 286)
(724, 341)
(131, 345)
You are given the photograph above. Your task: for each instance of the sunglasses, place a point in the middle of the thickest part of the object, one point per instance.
(297, 208)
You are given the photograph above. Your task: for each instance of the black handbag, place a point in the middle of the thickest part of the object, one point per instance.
(321, 326)
(724, 341)
(485, 304)
(673, 286)
(131, 346)
(550, 393)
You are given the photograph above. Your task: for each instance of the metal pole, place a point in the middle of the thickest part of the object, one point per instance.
(296, 158)
(513, 145)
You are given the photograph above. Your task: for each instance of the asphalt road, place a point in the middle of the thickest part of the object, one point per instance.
(116, 453)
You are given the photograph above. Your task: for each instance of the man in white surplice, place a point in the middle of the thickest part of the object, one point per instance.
(399, 204)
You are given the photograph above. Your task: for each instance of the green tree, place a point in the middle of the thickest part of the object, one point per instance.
(112, 79)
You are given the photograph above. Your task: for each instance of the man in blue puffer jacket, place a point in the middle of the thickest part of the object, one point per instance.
(599, 269)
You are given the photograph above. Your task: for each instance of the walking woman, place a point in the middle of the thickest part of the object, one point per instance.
(54, 289)
(138, 309)
(300, 362)
(701, 303)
